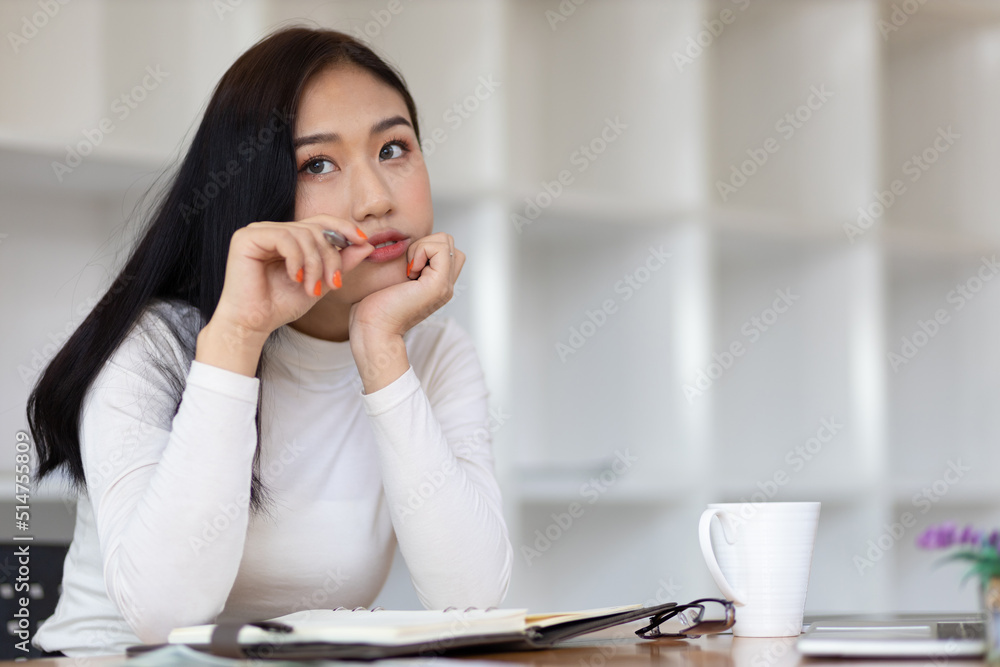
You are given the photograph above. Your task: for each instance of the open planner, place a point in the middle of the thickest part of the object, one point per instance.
(368, 635)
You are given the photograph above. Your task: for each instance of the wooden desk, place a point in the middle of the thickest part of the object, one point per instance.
(618, 647)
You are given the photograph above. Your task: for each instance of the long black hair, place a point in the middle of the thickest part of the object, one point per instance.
(239, 169)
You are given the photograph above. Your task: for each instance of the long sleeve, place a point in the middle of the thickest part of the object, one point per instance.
(163, 537)
(435, 454)
(170, 499)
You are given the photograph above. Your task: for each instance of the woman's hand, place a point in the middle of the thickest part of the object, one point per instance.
(377, 322)
(433, 267)
(275, 272)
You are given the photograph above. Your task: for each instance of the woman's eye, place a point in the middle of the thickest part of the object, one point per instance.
(317, 167)
(390, 151)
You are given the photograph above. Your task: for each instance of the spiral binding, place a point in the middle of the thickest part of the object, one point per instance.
(467, 609)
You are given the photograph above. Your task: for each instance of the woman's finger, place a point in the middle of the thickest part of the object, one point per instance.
(417, 261)
(350, 256)
(294, 257)
(262, 241)
(332, 264)
(457, 265)
(348, 230)
(425, 249)
(313, 260)
(457, 258)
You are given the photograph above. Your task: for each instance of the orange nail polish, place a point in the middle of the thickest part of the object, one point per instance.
(318, 290)
(361, 233)
(409, 267)
(300, 276)
(336, 279)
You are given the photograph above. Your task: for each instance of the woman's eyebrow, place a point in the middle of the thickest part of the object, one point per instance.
(333, 137)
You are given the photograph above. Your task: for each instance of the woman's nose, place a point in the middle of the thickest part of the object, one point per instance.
(371, 194)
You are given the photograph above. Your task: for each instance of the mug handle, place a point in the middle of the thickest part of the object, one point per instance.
(705, 538)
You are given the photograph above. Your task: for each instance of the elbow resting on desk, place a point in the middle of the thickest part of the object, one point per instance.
(470, 590)
(153, 606)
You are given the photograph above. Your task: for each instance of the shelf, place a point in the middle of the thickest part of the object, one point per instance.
(854, 493)
(534, 212)
(969, 10)
(582, 306)
(794, 100)
(941, 363)
(946, 488)
(575, 108)
(608, 482)
(941, 144)
(909, 243)
(785, 364)
(28, 166)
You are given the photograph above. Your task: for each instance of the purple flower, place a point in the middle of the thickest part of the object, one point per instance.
(946, 535)
(938, 537)
(976, 547)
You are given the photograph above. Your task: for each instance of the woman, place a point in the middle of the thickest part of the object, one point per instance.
(255, 416)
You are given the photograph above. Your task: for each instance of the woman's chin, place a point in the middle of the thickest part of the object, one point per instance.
(370, 282)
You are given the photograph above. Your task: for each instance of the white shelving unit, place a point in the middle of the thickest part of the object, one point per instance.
(781, 230)
(608, 357)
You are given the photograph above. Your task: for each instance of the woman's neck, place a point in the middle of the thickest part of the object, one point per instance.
(326, 320)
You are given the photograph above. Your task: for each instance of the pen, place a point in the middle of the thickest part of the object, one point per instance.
(336, 239)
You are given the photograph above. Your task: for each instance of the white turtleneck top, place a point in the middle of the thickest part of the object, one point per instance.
(164, 537)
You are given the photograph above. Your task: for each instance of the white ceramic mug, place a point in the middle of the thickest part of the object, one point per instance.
(760, 561)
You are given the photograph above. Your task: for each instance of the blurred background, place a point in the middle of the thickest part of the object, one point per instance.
(717, 251)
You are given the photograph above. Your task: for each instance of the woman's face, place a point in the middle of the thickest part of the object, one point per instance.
(358, 159)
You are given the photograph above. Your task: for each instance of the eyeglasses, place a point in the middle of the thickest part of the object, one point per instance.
(696, 621)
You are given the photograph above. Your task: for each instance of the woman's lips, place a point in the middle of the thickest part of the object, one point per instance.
(396, 248)
(389, 252)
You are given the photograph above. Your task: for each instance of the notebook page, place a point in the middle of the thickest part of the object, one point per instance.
(368, 627)
(544, 620)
